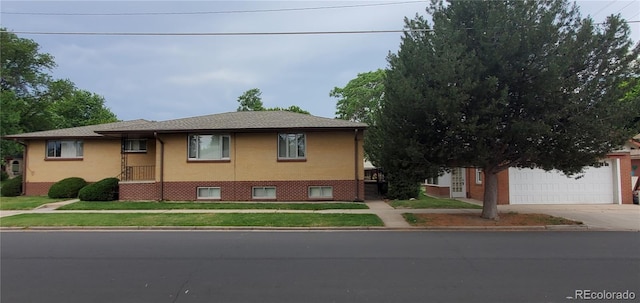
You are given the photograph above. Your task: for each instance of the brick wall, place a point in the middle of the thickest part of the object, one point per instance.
(438, 191)
(37, 188)
(138, 191)
(343, 190)
(625, 175)
(476, 191)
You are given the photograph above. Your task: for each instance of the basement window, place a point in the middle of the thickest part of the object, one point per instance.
(320, 192)
(265, 192)
(208, 193)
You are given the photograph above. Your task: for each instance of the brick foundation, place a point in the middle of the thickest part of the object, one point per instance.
(139, 191)
(343, 190)
(37, 188)
(437, 191)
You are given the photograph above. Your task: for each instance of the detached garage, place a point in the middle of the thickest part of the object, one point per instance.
(609, 183)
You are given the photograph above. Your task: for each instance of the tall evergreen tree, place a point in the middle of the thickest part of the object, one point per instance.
(499, 84)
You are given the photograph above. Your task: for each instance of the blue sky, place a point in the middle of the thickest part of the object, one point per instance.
(169, 77)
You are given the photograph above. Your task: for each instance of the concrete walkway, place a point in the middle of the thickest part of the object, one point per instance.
(594, 217)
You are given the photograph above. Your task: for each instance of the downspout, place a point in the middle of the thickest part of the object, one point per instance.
(356, 158)
(155, 135)
(24, 167)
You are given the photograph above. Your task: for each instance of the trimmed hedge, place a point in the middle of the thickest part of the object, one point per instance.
(103, 190)
(12, 187)
(3, 175)
(67, 188)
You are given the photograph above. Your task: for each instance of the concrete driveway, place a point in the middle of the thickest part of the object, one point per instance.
(605, 217)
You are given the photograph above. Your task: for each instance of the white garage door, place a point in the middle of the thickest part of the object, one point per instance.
(535, 186)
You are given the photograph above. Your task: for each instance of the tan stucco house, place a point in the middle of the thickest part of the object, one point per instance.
(236, 156)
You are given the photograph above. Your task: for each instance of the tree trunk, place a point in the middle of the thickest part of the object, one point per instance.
(490, 203)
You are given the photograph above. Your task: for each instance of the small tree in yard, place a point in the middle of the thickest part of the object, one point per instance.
(499, 84)
(359, 101)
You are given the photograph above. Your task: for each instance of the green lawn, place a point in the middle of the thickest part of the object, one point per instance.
(227, 219)
(207, 205)
(431, 202)
(25, 202)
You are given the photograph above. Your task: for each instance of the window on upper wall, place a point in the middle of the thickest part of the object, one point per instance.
(209, 147)
(135, 145)
(292, 146)
(65, 149)
(478, 175)
(431, 181)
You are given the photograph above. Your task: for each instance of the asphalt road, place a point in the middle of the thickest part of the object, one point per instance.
(352, 266)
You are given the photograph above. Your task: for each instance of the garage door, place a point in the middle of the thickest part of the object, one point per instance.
(536, 186)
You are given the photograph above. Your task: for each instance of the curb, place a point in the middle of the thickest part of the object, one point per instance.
(267, 228)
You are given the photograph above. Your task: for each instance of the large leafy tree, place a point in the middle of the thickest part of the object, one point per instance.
(30, 100)
(251, 100)
(73, 107)
(499, 84)
(360, 101)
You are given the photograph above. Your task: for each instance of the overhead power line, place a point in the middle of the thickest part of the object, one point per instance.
(620, 10)
(292, 33)
(214, 12)
(221, 33)
(605, 7)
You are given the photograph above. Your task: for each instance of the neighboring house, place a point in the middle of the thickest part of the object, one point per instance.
(633, 147)
(237, 156)
(609, 183)
(374, 182)
(13, 167)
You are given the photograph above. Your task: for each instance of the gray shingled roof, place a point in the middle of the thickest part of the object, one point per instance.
(247, 120)
(77, 132)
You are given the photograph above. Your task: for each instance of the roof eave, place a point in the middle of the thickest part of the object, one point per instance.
(230, 130)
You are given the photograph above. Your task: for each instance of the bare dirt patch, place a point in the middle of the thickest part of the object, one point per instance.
(472, 219)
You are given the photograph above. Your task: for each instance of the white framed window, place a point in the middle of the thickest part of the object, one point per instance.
(431, 181)
(263, 192)
(292, 146)
(209, 147)
(135, 145)
(65, 149)
(209, 193)
(478, 175)
(320, 191)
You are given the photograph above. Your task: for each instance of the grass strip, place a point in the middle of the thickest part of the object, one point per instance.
(207, 205)
(228, 219)
(431, 202)
(25, 202)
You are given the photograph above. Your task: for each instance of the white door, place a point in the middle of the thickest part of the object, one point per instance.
(458, 188)
(536, 186)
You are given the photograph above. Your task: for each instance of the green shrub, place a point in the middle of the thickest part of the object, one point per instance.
(3, 175)
(103, 190)
(12, 187)
(403, 189)
(67, 188)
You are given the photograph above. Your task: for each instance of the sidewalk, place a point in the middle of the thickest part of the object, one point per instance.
(595, 217)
